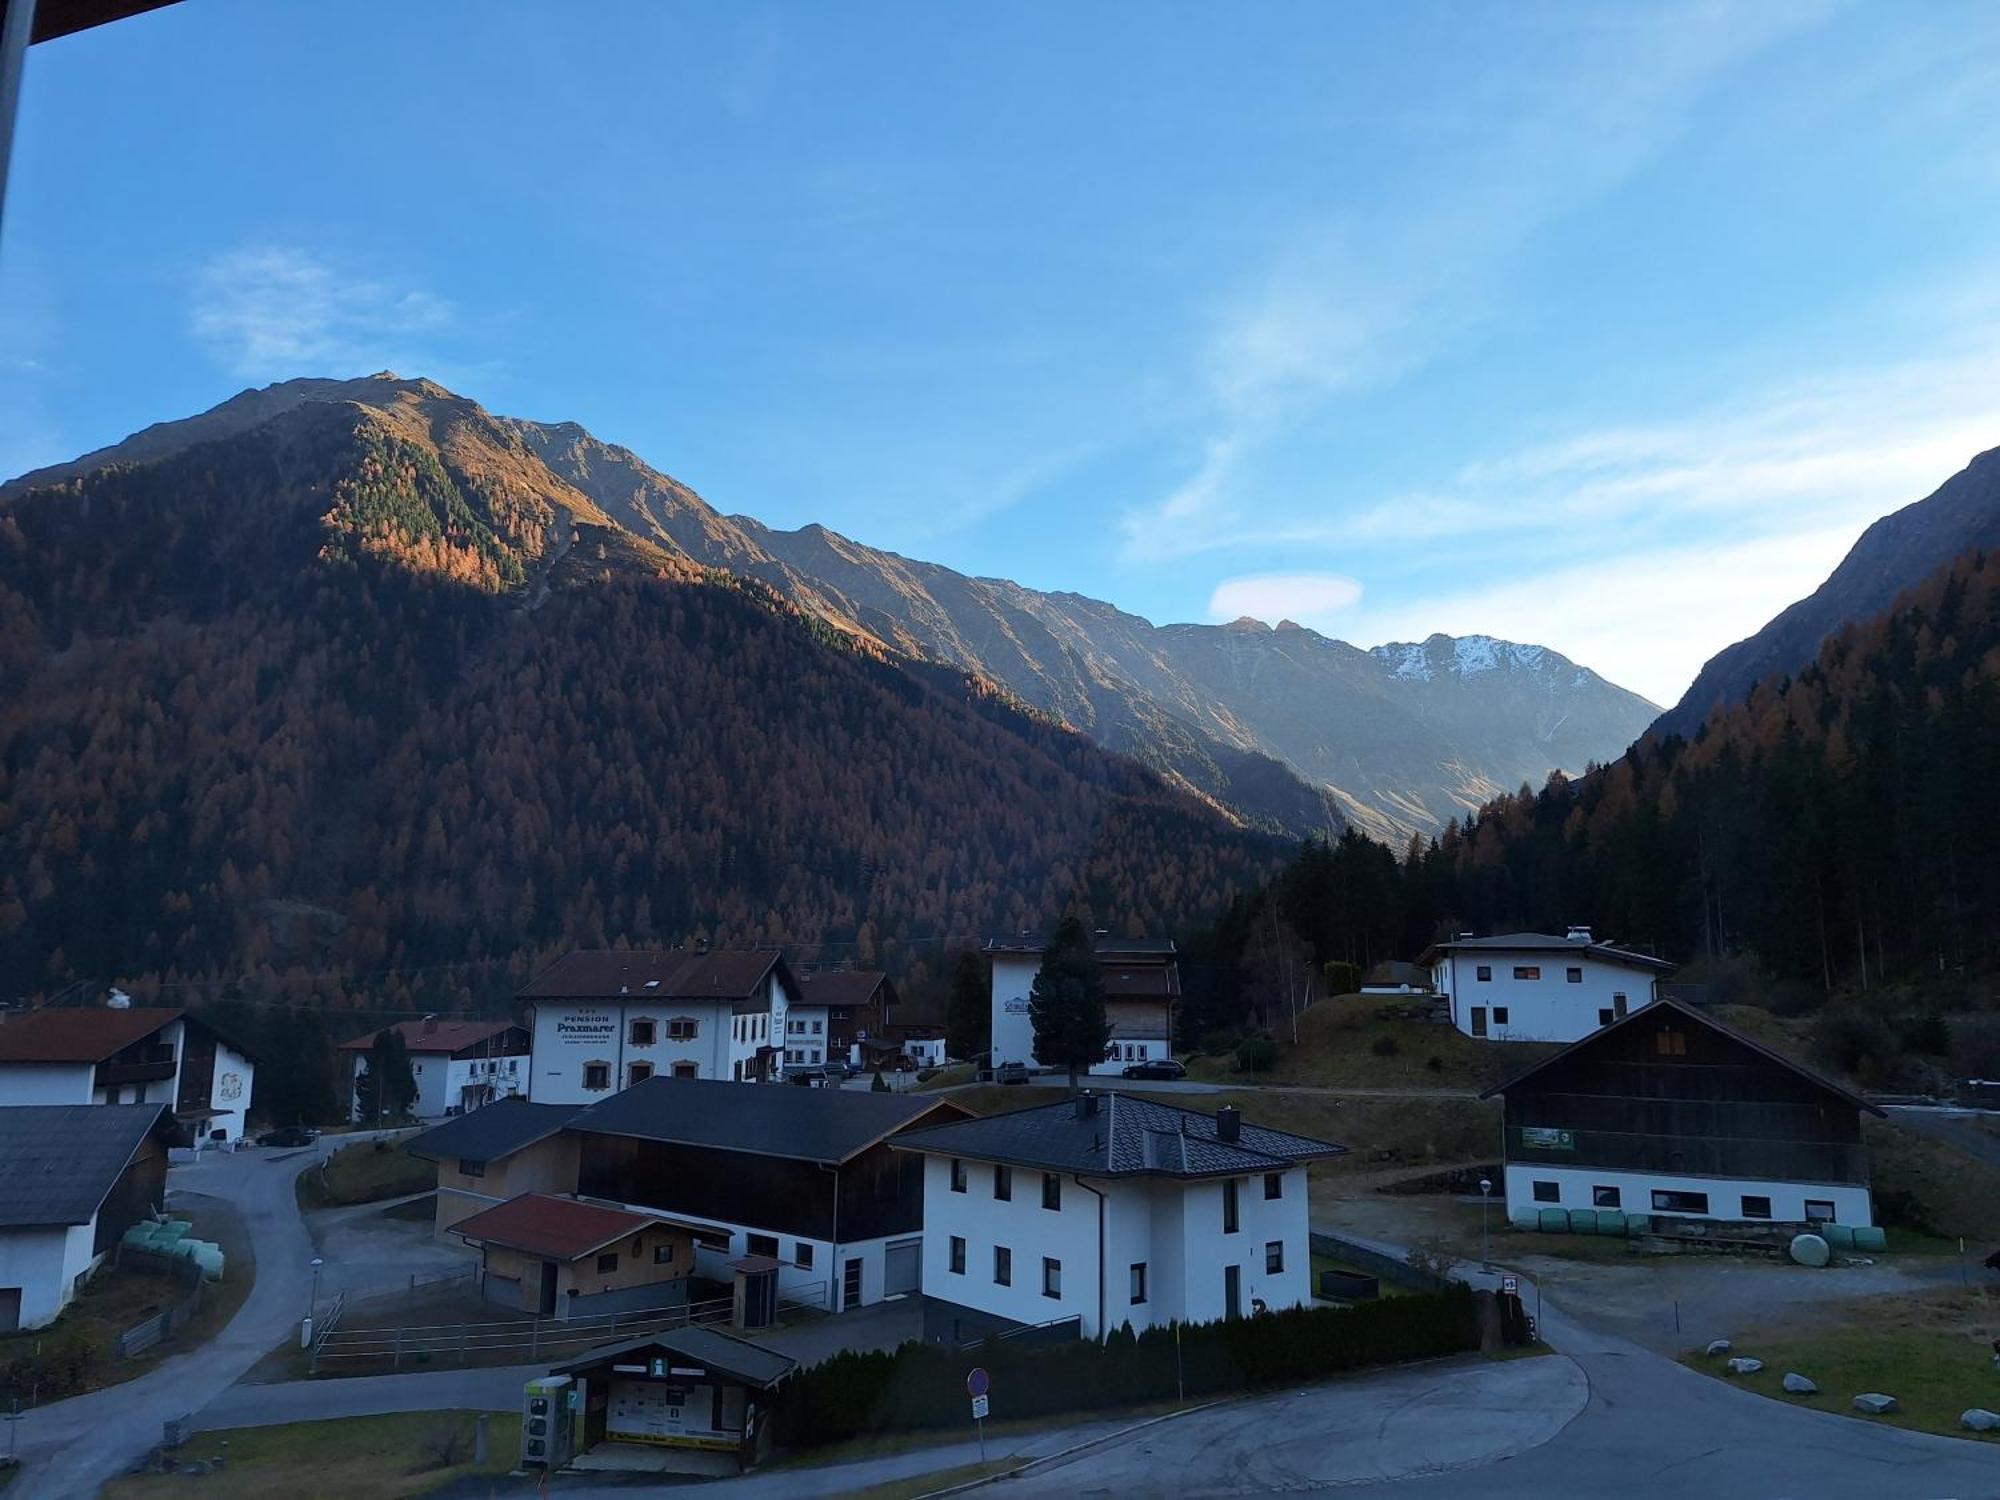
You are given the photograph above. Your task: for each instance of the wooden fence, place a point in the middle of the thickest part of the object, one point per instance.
(164, 1324)
(511, 1341)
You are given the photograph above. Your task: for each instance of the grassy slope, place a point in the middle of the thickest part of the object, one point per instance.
(365, 1172)
(1337, 1042)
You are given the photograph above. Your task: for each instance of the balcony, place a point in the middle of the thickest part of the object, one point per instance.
(138, 1065)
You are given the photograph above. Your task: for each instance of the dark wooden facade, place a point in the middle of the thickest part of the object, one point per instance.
(1670, 1091)
(141, 1190)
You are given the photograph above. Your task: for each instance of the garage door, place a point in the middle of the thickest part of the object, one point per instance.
(902, 1266)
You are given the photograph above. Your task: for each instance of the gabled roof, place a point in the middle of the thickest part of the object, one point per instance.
(559, 1228)
(1109, 949)
(823, 1125)
(1128, 1136)
(493, 1132)
(446, 1034)
(608, 974)
(751, 1364)
(1653, 1012)
(58, 1162)
(843, 987)
(1545, 942)
(78, 1034)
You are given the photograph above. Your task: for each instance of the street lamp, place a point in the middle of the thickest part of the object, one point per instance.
(313, 1311)
(1485, 1239)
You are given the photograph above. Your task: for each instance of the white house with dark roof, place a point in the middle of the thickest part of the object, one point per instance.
(458, 1064)
(607, 1019)
(1140, 979)
(1113, 1210)
(1535, 987)
(835, 1013)
(128, 1054)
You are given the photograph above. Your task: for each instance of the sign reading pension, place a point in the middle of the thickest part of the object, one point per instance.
(1543, 1138)
(586, 1028)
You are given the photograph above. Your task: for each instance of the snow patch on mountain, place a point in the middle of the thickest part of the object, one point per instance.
(1460, 656)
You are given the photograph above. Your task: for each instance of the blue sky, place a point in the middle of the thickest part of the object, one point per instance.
(1603, 327)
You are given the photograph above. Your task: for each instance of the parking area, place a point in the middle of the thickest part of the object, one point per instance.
(377, 1246)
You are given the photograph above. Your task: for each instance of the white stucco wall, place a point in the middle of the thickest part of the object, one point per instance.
(569, 1034)
(45, 1083)
(1024, 1227)
(45, 1264)
(1549, 1009)
(230, 1090)
(805, 1047)
(1575, 1185)
(1014, 1032)
(1206, 1249)
(819, 1284)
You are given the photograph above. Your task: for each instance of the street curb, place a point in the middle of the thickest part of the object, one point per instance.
(1073, 1450)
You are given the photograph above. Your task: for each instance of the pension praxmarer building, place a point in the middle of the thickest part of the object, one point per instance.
(1535, 987)
(1140, 980)
(120, 1053)
(606, 1019)
(458, 1065)
(1671, 1112)
(1111, 1210)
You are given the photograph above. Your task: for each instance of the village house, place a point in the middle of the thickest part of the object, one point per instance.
(605, 1020)
(458, 1064)
(73, 1178)
(835, 1013)
(1534, 987)
(689, 1388)
(126, 1054)
(496, 1153)
(559, 1257)
(1671, 1112)
(1110, 1210)
(1140, 980)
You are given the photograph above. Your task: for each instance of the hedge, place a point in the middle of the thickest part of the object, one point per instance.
(923, 1385)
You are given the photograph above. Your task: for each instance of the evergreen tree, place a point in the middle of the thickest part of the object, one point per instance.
(1066, 1003)
(968, 1014)
(386, 1087)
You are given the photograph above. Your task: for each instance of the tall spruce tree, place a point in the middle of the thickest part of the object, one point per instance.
(1066, 1003)
(387, 1087)
(968, 1012)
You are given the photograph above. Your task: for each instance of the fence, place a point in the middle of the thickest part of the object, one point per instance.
(1034, 1335)
(164, 1324)
(512, 1341)
(809, 1296)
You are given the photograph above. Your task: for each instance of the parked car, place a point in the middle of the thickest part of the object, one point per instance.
(291, 1135)
(1155, 1067)
(837, 1069)
(1011, 1073)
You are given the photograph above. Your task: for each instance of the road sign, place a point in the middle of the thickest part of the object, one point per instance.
(979, 1404)
(978, 1383)
(1510, 1286)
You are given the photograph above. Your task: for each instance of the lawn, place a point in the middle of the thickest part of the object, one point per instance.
(1924, 1183)
(365, 1172)
(1343, 1044)
(1933, 1353)
(350, 1458)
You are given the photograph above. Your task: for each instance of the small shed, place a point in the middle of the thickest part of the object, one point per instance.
(690, 1389)
(561, 1257)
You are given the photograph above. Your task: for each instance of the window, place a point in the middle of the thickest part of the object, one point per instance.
(1603, 1017)
(762, 1244)
(663, 1255)
(1483, 973)
(1527, 971)
(1003, 1184)
(1670, 1043)
(1051, 1191)
(1274, 1185)
(682, 1029)
(1756, 1207)
(815, 1028)
(1618, 1005)
(957, 1255)
(957, 1175)
(1499, 1015)
(687, 1070)
(1573, 975)
(1003, 1266)
(1669, 1202)
(1274, 1257)
(637, 1073)
(1548, 1192)
(1051, 1277)
(467, 1167)
(597, 1075)
(802, 1255)
(642, 1033)
(1819, 1211)
(1138, 1282)
(608, 1261)
(1605, 1197)
(1229, 1206)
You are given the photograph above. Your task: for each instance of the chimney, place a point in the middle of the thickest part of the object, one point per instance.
(1086, 1105)
(1229, 1124)
(430, 1024)
(1578, 934)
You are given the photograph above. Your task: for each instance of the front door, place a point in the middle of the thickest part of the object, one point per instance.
(10, 1308)
(1232, 1291)
(1479, 1020)
(546, 1303)
(850, 1285)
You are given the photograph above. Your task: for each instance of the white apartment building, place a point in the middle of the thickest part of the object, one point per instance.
(834, 1014)
(125, 1054)
(1113, 1210)
(605, 1020)
(457, 1064)
(1140, 978)
(1534, 987)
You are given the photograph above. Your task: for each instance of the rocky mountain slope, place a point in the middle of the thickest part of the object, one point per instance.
(1897, 552)
(1287, 729)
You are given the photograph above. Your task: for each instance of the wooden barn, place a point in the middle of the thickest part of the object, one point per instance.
(1670, 1111)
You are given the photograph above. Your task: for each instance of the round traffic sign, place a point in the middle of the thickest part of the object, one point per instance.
(978, 1383)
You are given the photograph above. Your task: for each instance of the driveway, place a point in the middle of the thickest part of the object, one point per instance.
(366, 1248)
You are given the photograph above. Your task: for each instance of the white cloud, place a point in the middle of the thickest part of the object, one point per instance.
(1308, 598)
(277, 311)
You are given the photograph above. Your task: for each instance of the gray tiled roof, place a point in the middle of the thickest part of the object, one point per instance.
(1546, 942)
(59, 1161)
(1128, 1136)
(493, 1131)
(604, 974)
(765, 1119)
(1107, 947)
(753, 1364)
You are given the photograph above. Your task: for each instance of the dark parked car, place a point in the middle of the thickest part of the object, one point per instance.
(292, 1135)
(1155, 1067)
(1011, 1073)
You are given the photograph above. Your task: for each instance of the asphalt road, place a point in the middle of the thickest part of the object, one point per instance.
(1194, 1086)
